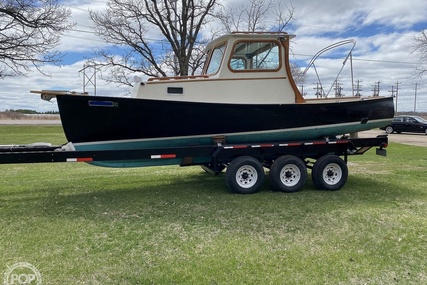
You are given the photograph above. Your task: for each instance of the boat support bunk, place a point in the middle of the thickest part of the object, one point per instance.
(287, 161)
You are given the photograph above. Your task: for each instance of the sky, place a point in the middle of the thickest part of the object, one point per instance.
(384, 32)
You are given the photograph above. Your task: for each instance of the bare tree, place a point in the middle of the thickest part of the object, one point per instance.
(420, 48)
(297, 73)
(158, 36)
(163, 37)
(284, 14)
(29, 32)
(257, 15)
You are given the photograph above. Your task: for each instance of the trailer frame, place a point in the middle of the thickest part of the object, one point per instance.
(221, 155)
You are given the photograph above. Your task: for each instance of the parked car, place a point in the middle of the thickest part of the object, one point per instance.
(410, 124)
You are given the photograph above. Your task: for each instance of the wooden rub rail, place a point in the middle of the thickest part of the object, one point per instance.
(47, 95)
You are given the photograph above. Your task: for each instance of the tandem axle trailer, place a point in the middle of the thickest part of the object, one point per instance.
(288, 161)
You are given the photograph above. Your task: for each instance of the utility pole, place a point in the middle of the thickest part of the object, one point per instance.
(392, 90)
(376, 89)
(338, 89)
(357, 88)
(302, 90)
(395, 93)
(319, 90)
(415, 101)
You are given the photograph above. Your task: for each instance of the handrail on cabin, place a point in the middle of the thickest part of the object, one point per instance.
(178, 77)
(332, 46)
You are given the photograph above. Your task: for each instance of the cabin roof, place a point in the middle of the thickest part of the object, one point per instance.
(248, 36)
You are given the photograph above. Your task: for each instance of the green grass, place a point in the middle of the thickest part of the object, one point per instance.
(80, 224)
(13, 134)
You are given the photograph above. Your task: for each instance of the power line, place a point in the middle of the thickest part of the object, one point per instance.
(384, 61)
(84, 38)
(93, 33)
(365, 59)
(83, 31)
(159, 40)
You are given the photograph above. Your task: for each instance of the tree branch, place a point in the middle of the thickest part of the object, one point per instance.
(29, 32)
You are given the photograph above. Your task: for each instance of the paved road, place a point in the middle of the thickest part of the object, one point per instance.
(30, 122)
(404, 138)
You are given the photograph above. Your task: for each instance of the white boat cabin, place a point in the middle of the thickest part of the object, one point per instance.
(242, 68)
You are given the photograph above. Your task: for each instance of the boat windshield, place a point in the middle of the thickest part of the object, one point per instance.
(255, 56)
(216, 59)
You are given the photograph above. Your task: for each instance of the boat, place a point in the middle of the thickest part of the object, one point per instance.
(246, 94)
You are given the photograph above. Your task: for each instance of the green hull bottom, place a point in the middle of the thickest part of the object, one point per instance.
(246, 138)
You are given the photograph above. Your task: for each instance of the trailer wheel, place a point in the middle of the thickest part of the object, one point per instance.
(329, 173)
(244, 175)
(288, 173)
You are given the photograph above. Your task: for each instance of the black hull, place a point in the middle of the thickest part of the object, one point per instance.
(95, 118)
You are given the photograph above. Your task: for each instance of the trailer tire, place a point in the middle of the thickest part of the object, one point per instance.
(288, 173)
(329, 172)
(244, 175)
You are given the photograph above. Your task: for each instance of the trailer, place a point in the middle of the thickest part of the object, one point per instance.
(287, 161)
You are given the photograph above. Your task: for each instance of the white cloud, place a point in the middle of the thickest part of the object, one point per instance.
(313, 17)
(384, 31)
(83, 37)
(16, 91)
(400, 14)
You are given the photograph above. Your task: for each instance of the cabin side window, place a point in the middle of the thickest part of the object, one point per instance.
(248, 56)
(216, 59)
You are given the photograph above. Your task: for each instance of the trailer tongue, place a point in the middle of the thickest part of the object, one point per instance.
(287, 161)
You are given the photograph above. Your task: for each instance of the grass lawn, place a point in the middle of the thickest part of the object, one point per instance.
(80, 224)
